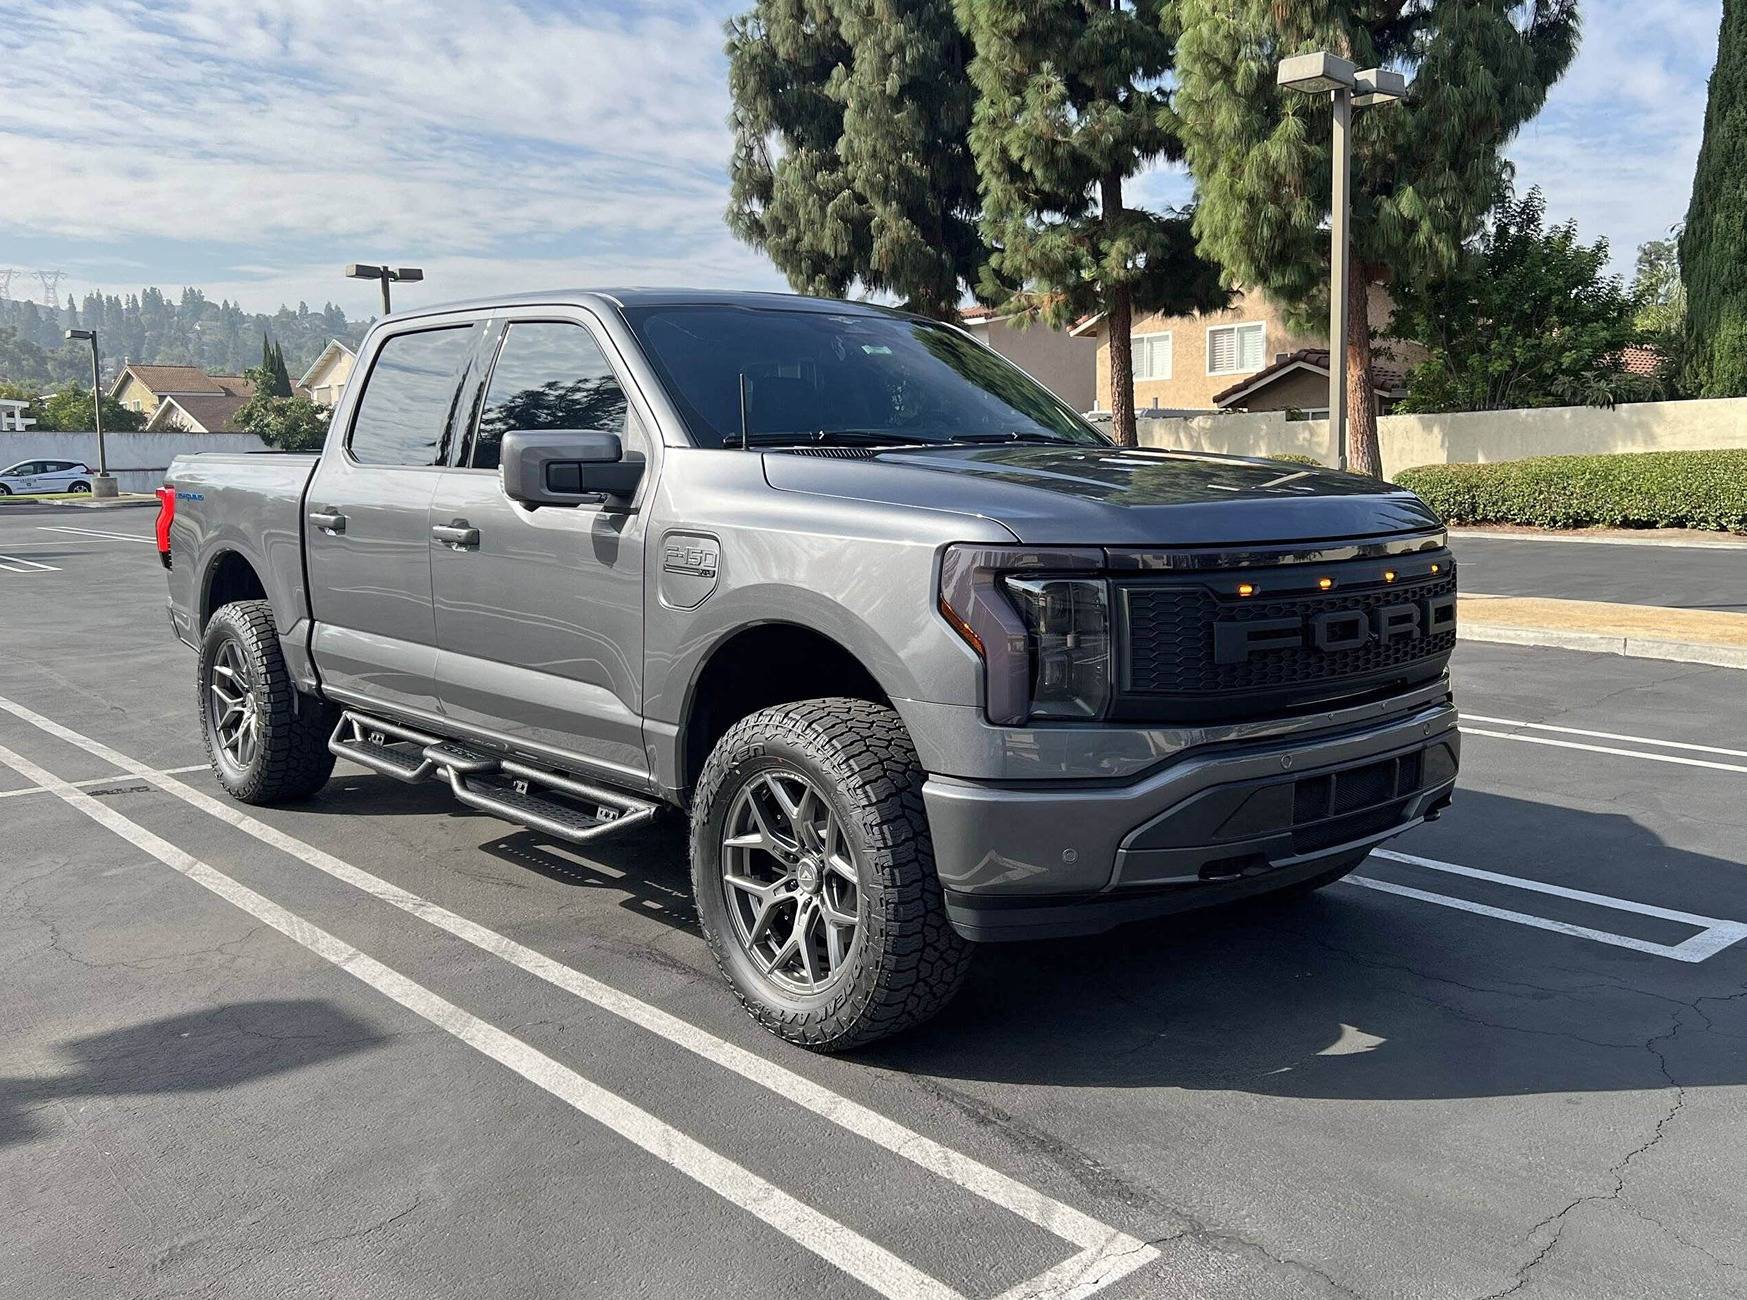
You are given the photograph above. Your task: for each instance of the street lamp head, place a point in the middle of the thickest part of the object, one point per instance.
(408, 273)
(1316, 73)
(1378, 86)
(80, 335)
(359, 271)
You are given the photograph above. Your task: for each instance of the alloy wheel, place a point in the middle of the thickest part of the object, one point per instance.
(791, 883)
(235, 706)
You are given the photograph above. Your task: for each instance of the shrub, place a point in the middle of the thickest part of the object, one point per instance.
(1654, 489)
(1295, 458)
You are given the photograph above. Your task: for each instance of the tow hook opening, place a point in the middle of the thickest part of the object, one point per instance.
(1233, 868)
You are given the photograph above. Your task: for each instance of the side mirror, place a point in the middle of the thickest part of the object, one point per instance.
(566, 467)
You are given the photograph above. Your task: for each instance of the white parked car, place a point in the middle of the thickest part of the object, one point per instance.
(45, 476)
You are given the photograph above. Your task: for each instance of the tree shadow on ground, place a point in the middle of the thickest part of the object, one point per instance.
(202, 1051)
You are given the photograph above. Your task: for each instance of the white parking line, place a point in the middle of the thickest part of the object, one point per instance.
(1605, 735)
(1606, 749)
(867, 1262)
(94, 782)
(97, 532)
(1714, 934)
(18, 564)
(1106, 1255)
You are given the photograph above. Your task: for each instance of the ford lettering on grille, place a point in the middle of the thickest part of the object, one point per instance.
(1236, 641)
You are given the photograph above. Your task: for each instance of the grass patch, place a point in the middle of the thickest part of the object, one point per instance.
(1652, 489)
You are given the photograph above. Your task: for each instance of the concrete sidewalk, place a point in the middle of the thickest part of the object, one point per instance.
(1696, 636)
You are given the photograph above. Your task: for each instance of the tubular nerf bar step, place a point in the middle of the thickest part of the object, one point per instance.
(578, 811)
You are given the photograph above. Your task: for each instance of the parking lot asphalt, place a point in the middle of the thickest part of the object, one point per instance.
(376, 1045)
(1648, 574)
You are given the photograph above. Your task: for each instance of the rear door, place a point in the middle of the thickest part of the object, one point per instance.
(540, 617)
(367, 520)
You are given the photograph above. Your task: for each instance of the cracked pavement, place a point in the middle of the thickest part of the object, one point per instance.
(1359, 1095)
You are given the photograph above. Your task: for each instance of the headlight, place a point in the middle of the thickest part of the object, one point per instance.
(1067, 623)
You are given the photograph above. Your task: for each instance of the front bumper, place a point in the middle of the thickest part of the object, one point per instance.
(1050, 860)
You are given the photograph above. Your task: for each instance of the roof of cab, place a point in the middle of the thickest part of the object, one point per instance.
(653, 297)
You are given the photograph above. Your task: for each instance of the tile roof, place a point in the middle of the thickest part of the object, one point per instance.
(1640, 359)
(175, 379)
(1388, 380)
(212, 411)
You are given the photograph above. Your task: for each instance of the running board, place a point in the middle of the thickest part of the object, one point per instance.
(562, 806)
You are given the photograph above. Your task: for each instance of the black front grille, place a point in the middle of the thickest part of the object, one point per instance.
(1172, 667)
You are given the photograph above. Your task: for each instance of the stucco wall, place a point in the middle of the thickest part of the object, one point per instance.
(1409, 440)
(138, 460)
(1065, 365)
(1190, 387)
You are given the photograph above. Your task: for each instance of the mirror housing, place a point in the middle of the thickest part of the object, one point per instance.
(566, 467)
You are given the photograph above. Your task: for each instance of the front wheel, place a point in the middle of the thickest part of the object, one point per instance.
(266, 743)
(814, 875)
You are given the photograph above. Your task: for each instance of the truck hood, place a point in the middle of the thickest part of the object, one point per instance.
(1111, 496)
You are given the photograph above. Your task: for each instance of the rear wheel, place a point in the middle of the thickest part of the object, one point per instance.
(814, 875)
(266, 742)
(78, 487)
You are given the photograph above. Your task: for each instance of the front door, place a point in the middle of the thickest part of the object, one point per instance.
(367, 523)
(540, 612)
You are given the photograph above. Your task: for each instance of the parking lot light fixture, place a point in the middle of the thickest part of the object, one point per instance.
(385, 275)
(1347, 86)
(102, 482)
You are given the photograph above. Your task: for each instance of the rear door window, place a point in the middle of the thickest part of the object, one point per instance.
(549, 375)
(408, 406)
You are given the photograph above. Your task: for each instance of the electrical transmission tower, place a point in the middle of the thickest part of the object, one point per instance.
(6, 274)
(51, 286)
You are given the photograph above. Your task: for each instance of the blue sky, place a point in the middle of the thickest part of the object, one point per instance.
(254, 148)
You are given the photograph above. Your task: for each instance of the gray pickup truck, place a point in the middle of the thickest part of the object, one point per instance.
(925, 657)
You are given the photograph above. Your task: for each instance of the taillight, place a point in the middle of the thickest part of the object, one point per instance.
(166, 513)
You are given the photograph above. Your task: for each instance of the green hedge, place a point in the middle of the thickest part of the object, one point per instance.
(1654, 489)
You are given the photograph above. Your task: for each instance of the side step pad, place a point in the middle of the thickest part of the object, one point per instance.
(562, 806)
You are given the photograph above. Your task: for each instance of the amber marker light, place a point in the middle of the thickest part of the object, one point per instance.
(1389, 575)
(1437, 568)
(1246, 588)
(964, 629)
(1325, 583)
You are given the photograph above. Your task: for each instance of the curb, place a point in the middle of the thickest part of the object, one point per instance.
(1632, 647)
(1649, 539)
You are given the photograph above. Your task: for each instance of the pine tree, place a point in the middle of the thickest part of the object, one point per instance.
(1713, 247)
(1070, 104)
(850, 163)
(1425, 171)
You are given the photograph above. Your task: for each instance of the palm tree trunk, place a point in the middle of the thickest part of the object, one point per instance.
(1119, 320)
(1364, 456)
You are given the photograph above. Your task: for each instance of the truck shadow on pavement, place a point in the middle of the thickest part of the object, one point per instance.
(220, 1047)
(1348, 994)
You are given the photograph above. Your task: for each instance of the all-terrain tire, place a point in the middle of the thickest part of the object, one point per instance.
(908, 961)
(291, 759)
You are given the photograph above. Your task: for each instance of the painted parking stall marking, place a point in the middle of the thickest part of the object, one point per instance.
(1713, 933)
(18, 564)
(1519, 727)
(1105, 1254)
(95, 532)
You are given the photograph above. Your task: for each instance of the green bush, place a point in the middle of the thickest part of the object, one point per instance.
(1296, 458)
(1654, 489)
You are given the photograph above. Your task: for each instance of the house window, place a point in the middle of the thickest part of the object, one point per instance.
(1152, 356)
(1235, 349)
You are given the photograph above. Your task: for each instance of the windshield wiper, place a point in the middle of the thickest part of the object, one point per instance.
(822, 438)
(1012, 435)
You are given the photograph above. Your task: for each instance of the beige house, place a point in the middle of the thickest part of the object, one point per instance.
(144, 388)
(327, 374)
(1063, 362)
(197, 413)
(1196, 364)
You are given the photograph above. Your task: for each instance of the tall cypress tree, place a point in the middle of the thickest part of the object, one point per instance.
(1071, 103)
(1713, 247)
(1424, 171)
(850, 163)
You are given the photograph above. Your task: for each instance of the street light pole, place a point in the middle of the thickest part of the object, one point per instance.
(1340, 250)
(102, 484)
(1347, 86)
(385, 274)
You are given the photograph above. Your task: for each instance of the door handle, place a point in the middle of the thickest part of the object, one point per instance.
(459, 534)
(330, 520)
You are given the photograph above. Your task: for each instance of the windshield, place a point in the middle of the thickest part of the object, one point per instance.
(863, 378)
